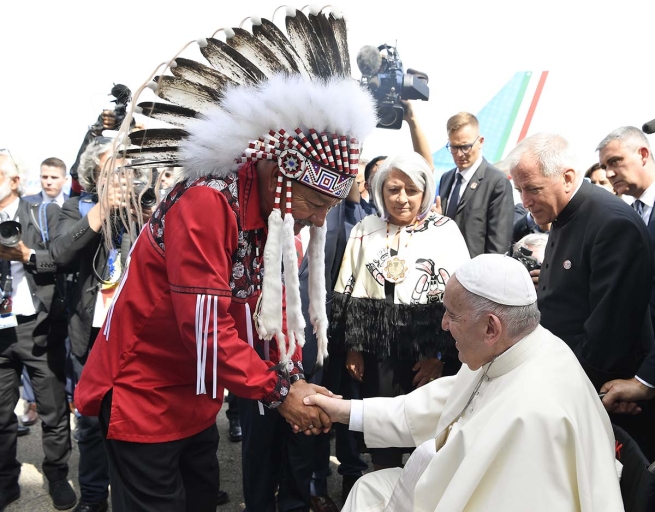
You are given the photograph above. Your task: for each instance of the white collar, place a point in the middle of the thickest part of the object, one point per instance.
(515, 355)
(59, 199)
(648, 197)
(12, 208)
(467, 174)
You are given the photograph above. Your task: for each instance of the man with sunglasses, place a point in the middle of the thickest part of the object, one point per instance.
(476, 195)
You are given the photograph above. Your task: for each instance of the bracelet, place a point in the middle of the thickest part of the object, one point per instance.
(296, 377)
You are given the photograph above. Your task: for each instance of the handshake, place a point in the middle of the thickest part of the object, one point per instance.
(311, 409)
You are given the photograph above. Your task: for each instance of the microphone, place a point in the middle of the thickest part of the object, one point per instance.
(369, 60)
(649, 127)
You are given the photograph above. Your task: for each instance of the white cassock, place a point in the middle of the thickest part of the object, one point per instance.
(526, 432)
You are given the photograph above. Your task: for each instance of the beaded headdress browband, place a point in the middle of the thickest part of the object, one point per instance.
(267, 95)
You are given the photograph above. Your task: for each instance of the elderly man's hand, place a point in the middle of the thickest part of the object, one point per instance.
(535, 277)
(621, 395)
(19, 253)
(310, 419)
(427, 370)
(108, 120)
(336, 408)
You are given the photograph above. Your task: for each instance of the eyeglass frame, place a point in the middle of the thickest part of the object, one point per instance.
(464, 148)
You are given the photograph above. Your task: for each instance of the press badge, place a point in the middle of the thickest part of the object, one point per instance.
(8, 320)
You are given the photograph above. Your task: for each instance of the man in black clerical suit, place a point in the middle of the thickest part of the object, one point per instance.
(476, 195)
(626, 157)
(595, 282)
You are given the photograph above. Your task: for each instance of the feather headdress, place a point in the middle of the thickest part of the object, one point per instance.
(268, 94)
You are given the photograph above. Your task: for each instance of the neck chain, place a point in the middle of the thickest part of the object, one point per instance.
(395, 269)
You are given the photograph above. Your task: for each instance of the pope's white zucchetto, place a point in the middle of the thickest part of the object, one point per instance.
(499, 278)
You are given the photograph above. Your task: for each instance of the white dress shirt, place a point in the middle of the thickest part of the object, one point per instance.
(23, 303)
(648, 198)
(466, 174)
(59, 199)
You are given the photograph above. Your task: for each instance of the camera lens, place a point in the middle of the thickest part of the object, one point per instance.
(10, 233)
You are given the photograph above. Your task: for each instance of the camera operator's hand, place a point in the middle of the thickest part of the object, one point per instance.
(408, 111)
(108, 120)
(18, 253)
(115, 198)
(146, 213)
(419, 140)
(535, 276)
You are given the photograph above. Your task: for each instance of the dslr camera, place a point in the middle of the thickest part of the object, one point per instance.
(524, 255)
(10, 231)
(384, 76)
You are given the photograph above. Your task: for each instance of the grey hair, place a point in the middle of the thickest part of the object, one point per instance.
(629, 136)
(518, 321)
(551, 152)
(537, 240)
(416, 168)
(12, 168)
(89, 162)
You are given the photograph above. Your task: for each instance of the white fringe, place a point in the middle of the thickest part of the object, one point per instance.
(295, 319)
(269, 321)
(317, 313)
(203, 319)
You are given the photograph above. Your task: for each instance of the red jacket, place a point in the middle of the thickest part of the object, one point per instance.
(192, 283)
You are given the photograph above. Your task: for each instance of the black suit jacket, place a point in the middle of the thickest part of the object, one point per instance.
(595, 284)
(485, 213)
(41, 276)
(647, 370)
(75, 248)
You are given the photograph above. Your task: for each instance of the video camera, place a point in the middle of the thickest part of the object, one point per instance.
(524, 255)
(382, 72)
(122, 96)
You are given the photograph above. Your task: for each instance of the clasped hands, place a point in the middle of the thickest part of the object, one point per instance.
(309, 408)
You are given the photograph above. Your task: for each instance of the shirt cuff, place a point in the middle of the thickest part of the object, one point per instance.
(644, 382)
(279, 393)
(356, 415)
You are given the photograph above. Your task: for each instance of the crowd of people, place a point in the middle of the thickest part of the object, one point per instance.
(482, 350)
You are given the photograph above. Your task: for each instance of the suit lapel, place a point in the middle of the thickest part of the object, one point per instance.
(472, 185)
(448, 180)
(651, 225)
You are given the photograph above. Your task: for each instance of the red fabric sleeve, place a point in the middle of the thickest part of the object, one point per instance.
(200, 237)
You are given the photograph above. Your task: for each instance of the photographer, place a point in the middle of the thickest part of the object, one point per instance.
(107, 120)
(81, 247)
(32, 334)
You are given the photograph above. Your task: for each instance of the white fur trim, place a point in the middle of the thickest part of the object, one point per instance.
(295, 319)
(269, 321)
(317, 313)
(222, 134)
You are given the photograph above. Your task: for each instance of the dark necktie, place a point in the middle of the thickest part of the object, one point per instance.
(639, 207)
(454, 197)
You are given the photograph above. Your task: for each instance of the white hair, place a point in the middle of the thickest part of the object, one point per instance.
(518, 321)
(416, 168)
(533, 240)
(628, 136)
(551, 152)
(12, 167)
(89, 162)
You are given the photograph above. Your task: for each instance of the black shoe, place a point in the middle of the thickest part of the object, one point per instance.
(22, 430)
(83, 506)
(234, 433)
(62, 494)
(223, 498)
(347, 483)
(8, 496)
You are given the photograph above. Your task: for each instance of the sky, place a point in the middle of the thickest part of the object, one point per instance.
(60, 59)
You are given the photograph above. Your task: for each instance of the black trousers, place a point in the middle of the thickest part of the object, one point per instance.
(45, 366)
(93, 471)
(175, 476)
(274, 459)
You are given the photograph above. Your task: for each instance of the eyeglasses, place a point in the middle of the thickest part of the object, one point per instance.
(5, 150)
(464, 148)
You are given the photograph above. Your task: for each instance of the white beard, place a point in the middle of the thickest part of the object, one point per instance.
(5, 189)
